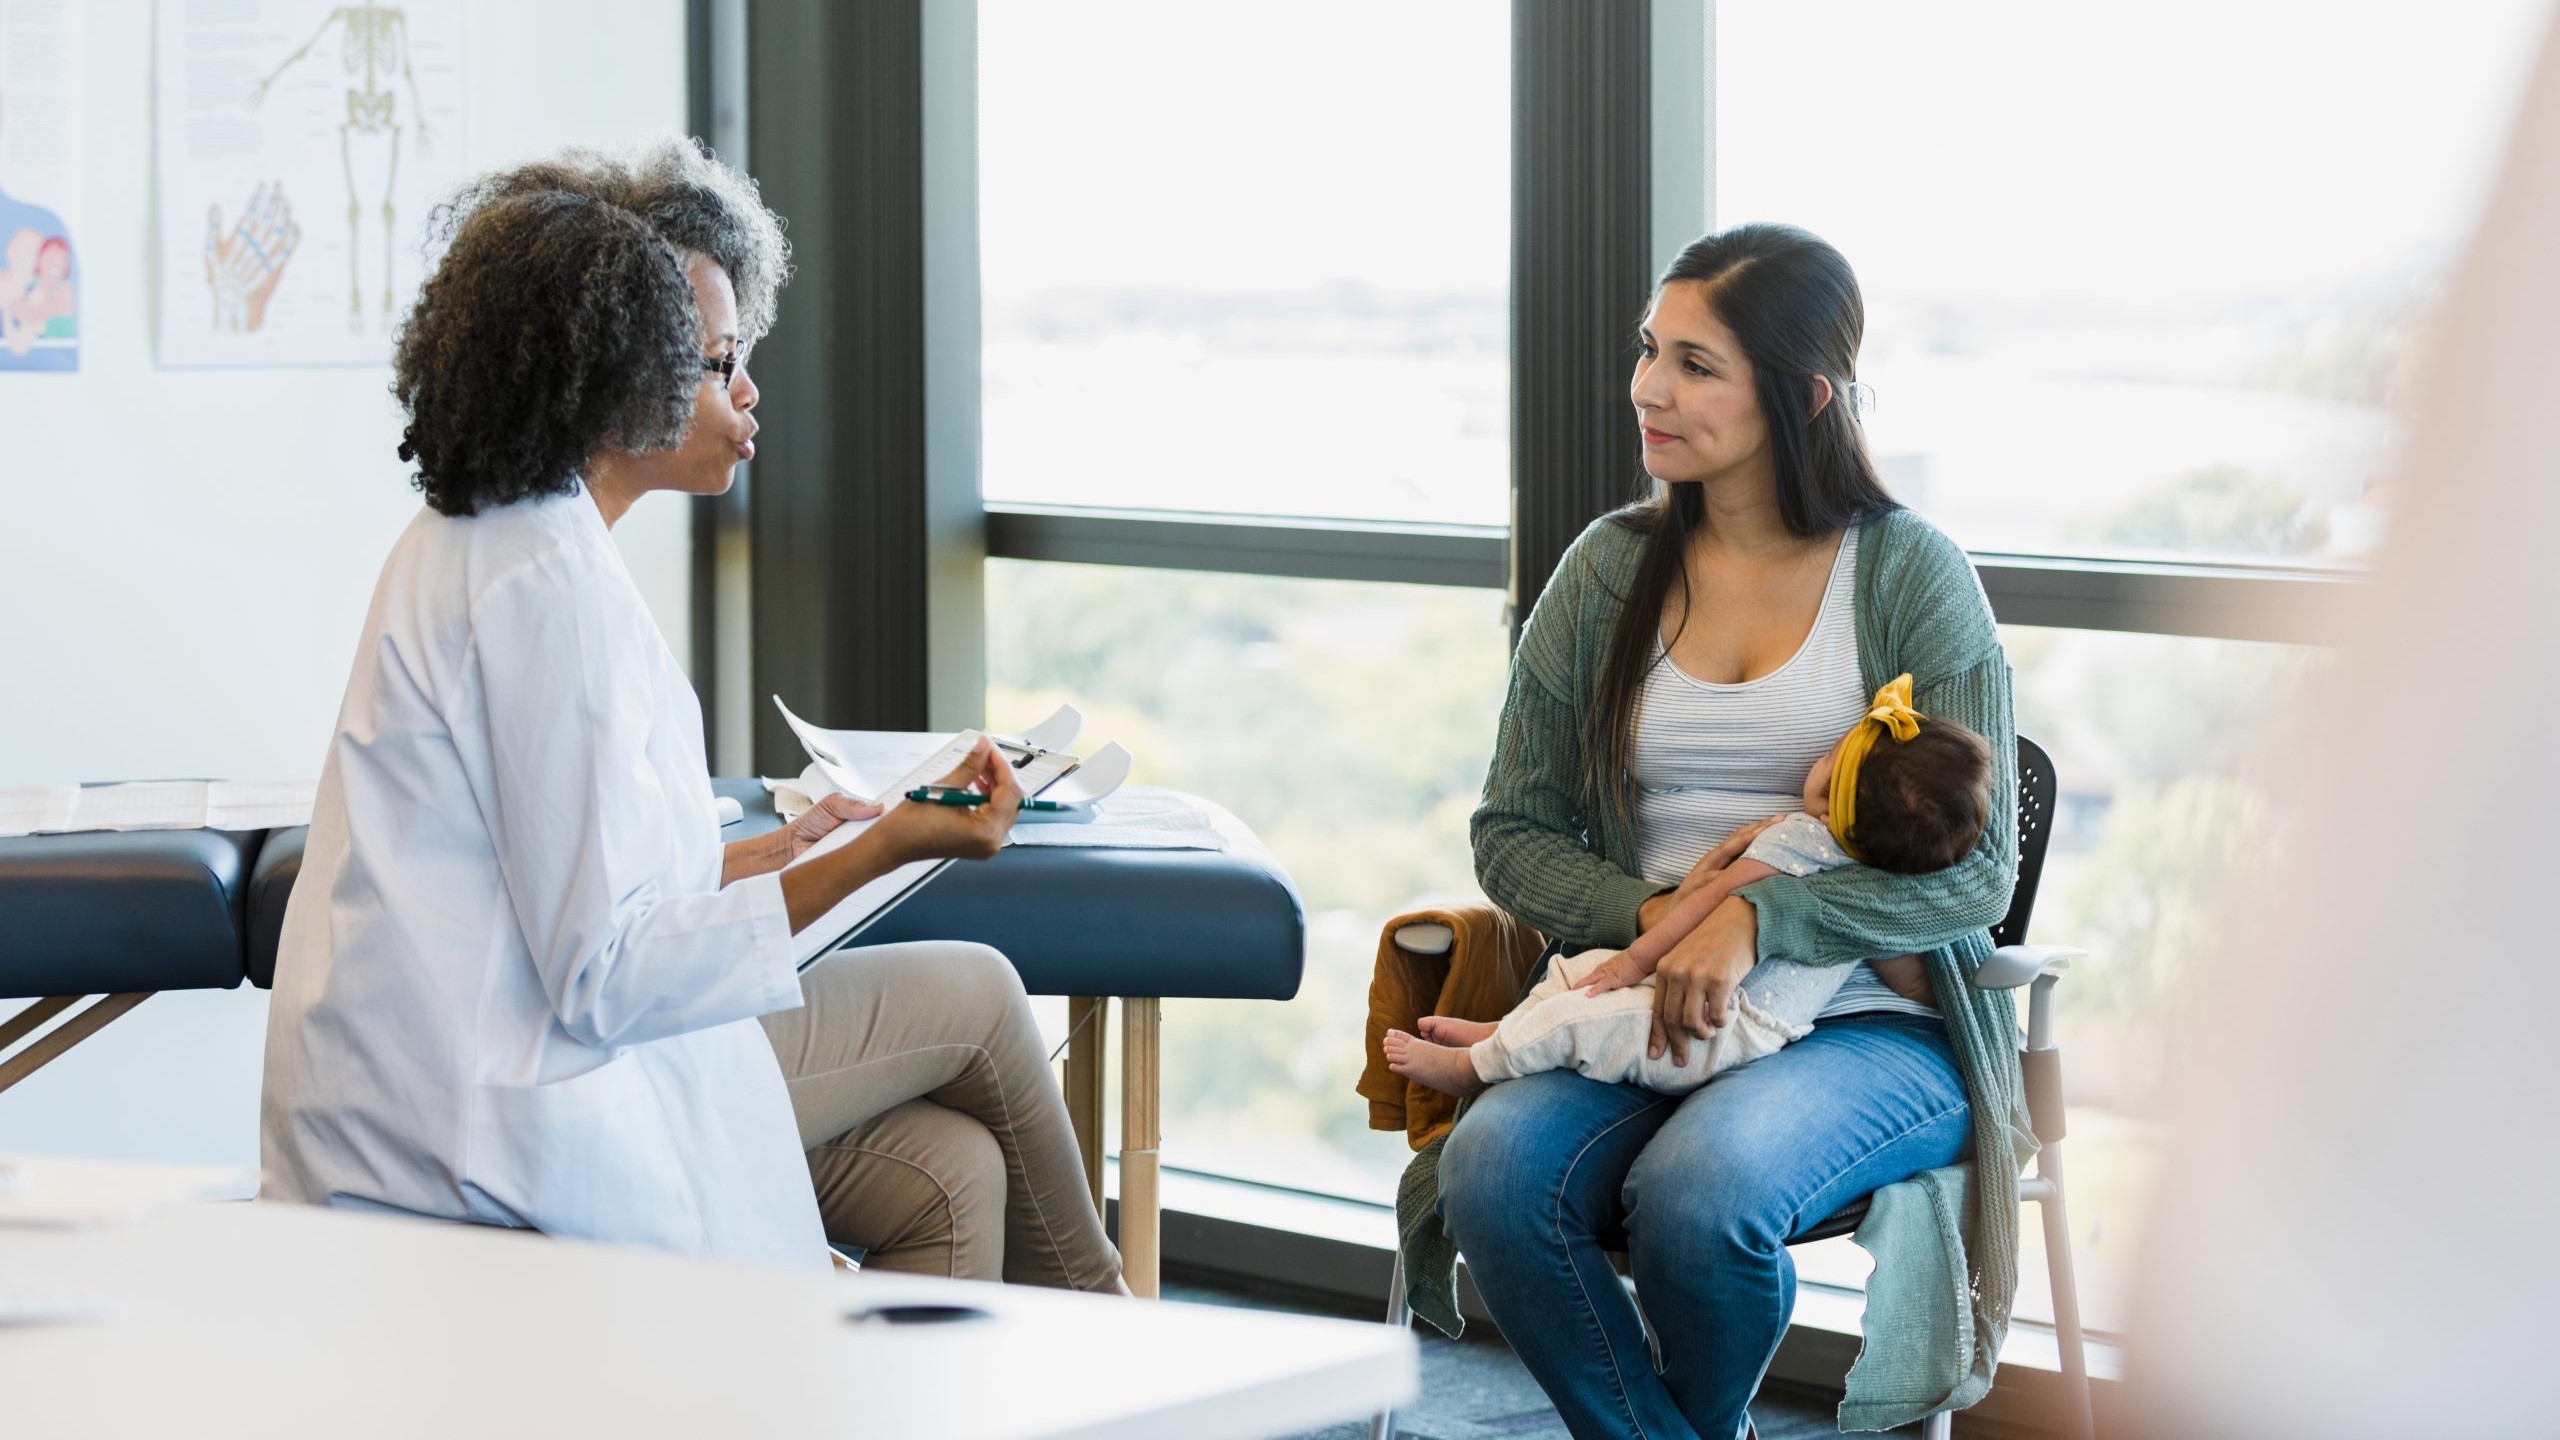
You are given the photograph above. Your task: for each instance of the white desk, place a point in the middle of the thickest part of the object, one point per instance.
(281, 1321)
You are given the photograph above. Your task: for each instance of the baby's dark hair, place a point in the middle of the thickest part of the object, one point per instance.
(1922, 802)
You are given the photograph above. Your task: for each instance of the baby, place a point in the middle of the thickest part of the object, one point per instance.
(1900, 792)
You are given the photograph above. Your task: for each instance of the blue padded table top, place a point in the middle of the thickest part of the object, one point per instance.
(1073, 920)
(102, 912)
(1080, 920)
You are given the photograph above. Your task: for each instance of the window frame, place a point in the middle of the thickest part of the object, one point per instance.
(1567, 409)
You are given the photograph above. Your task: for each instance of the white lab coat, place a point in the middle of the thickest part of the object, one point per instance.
(511, 988)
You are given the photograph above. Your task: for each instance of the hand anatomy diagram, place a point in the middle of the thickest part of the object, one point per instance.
(242, 267)
(372, 43)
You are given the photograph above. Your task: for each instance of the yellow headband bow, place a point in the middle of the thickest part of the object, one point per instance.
(1891, 713)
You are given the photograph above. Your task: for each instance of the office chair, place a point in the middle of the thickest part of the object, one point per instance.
(2012, 964)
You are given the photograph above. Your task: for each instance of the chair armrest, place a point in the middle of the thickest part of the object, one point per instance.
(2011, 966)
(1425, 937)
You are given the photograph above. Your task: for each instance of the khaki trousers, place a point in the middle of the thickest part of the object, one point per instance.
(937, 1137)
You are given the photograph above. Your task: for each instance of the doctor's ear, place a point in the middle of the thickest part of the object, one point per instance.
(1821, 395)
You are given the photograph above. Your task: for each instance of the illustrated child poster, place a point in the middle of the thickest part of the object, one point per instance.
(41, 104)
(301, 145)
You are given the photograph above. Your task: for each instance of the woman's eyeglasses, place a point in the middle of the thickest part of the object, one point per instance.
(724, 366)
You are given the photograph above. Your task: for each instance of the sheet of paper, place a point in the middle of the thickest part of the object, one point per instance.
(36, 809)
(259, 804)
(1141, 817)
(863, 763)
(1103, 771)
(858, 909)
(156, 805)
(145, 805)
(44, 71)
(1058, 732)
(301, 144)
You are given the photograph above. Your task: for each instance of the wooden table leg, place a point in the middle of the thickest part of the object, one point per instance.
(1142, 1023)
(1086, 1043)
(79, 1027)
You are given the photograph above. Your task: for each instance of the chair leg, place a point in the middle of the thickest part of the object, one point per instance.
(1382, 1426)
(2078, 1412)
(1941, 1426)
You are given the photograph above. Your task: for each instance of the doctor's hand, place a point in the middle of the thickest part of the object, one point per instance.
(921, 830)
(911, 830)
(775, 849)
(820, 820)
(1694, 984)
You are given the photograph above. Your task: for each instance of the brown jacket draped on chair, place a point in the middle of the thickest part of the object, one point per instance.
(1481, 977)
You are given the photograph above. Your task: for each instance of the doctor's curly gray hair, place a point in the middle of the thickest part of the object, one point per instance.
(559, 320)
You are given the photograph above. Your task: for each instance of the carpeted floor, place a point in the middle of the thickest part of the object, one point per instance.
(1474, 1388)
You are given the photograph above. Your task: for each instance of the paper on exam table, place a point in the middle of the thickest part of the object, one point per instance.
(156, 805)
(1141, 817)
(36, 809)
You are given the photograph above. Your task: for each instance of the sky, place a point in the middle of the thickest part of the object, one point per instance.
(1225, 146)
(2170, 148)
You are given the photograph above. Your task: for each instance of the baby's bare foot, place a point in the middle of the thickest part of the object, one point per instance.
(1449, 1030)
(1447, 1070)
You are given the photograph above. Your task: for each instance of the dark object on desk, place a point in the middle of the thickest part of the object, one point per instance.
(914, 1314)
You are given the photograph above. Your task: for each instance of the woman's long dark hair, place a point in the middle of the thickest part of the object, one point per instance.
(1792, 304)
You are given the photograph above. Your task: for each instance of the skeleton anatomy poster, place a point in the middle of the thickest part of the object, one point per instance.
(41, 100)
(301, 145)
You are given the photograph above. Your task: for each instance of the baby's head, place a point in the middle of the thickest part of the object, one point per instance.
(1916, 804)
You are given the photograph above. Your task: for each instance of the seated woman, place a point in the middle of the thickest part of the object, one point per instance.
(522, 982)
(1693, 655)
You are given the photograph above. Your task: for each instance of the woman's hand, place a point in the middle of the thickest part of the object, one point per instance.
(775, 849)
(819, 821)
(1694, 984)
(915, 830)
(921, 830)
(1726, 852)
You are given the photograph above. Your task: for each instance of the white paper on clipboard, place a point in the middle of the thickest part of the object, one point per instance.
(850, 915)
(857, 762)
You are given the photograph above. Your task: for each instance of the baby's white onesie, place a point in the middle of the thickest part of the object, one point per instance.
(1557, 1027)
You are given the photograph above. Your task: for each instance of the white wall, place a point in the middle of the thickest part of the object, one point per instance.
(185, 555)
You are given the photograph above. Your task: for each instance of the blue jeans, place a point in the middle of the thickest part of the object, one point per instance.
(1707, 1188)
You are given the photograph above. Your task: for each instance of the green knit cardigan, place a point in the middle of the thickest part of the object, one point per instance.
(1945, 1243)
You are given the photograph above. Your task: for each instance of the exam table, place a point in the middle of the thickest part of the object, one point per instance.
(123, 915)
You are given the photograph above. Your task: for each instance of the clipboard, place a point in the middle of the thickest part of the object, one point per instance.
(1041, 772)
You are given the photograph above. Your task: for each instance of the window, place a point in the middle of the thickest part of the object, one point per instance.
(1273, 288)
(2140, 283)
(2140, 280)
(2162, 746)
(1349, 724)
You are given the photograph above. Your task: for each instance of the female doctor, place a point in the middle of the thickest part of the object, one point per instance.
(522, 982)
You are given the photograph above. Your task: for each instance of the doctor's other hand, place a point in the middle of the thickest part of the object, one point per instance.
(820, 820)
(922, 830)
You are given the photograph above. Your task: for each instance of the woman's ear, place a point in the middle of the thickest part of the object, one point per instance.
(1821, 395)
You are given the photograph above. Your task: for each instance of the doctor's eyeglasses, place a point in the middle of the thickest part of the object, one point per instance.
(724, 366)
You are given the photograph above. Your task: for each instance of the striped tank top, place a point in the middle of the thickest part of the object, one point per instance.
(1710, 758)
